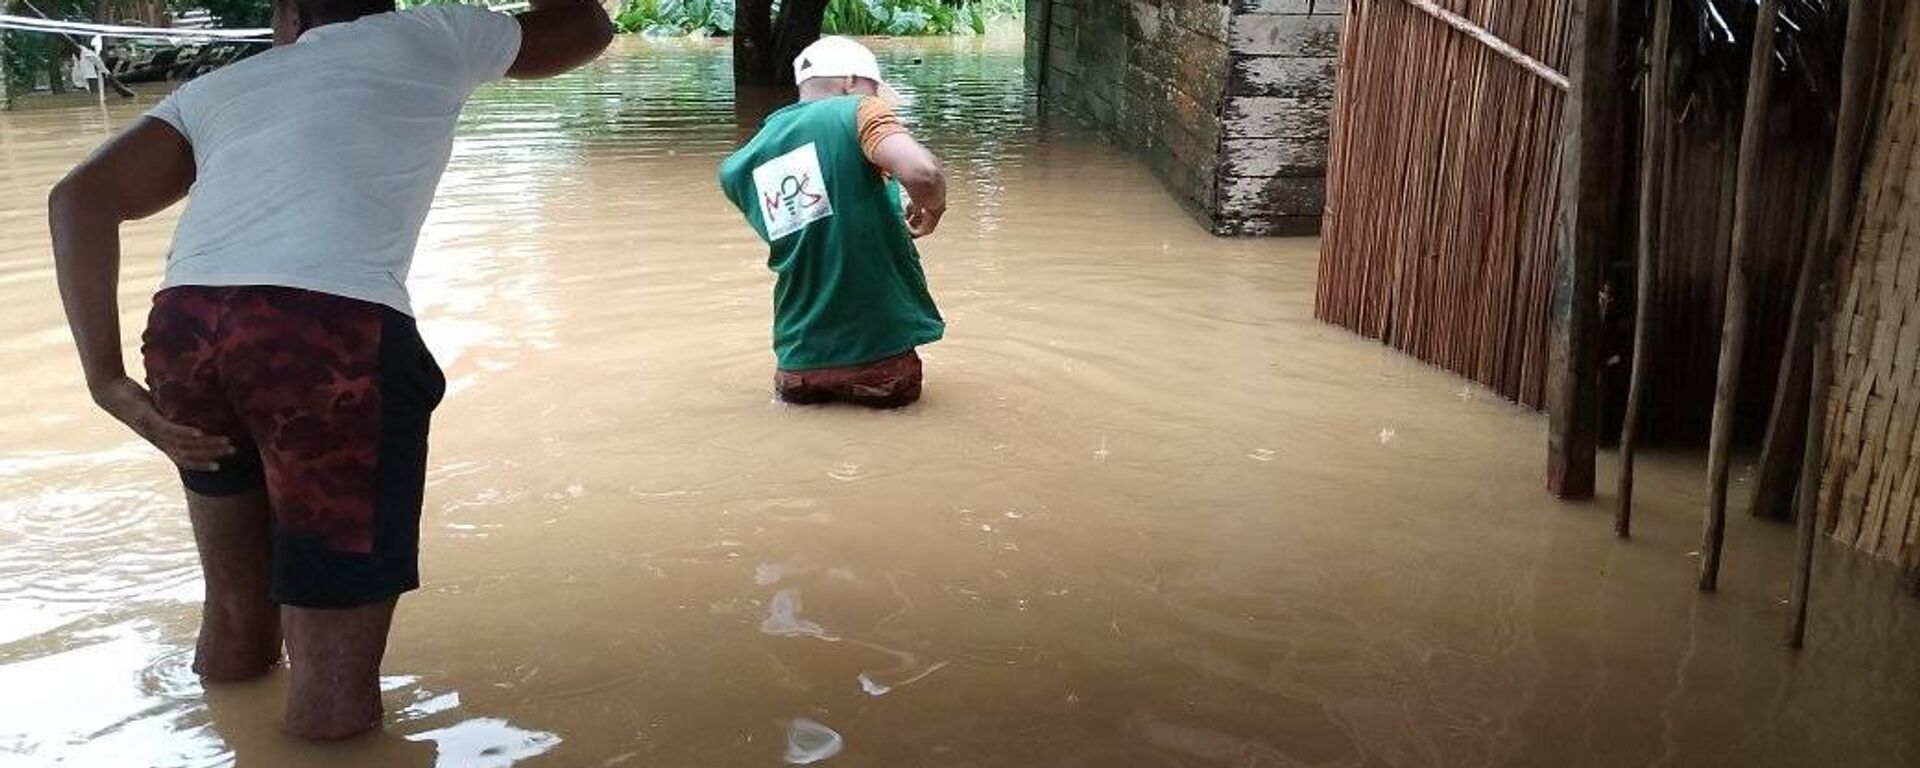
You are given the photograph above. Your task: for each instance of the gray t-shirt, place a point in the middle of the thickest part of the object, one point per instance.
(316, 163)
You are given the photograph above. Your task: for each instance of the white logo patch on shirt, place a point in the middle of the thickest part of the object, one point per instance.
(792, 192)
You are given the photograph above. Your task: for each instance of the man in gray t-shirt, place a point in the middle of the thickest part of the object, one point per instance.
(288, 381)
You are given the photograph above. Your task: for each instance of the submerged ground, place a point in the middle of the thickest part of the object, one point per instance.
(1150, 513)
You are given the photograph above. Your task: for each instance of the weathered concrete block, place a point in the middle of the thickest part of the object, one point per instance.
(1263, 35)
(1274, 157)
(1195, 81)
(1271, 117)
(1285, 77)
(1267, 226)
(1273, 195)
(1227, 101)
(1210, 20)
(1290, 7)
(1274, 7)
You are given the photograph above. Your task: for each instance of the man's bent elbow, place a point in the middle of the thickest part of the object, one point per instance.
(602, 34)
(923, 175)
(556, 41)
(82, 198)
(596, 34)
(68, 196)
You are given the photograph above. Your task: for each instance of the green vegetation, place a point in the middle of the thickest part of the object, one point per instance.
(234, 14)
(676, 17)
(29, 56)
(843, 17)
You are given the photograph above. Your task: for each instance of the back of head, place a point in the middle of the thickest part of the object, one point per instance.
(833, 65)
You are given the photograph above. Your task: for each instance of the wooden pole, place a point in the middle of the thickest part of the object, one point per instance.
(1809, 502)
(1501, 47)
(1586, 208)
(1778, 472)
(1733, 334)
(1857, 71)
(1652, 162)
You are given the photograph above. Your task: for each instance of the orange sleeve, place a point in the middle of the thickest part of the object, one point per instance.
(877, 123)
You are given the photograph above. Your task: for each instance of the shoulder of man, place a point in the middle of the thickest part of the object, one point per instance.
(482, 42)
(454, 12)
(875, 122)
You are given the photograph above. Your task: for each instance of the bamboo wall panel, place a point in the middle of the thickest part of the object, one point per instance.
(1873, 471)
(1441, 187)
(1441, 191)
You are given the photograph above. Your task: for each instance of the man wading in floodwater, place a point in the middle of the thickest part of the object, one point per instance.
(289, 383)
(820, 183)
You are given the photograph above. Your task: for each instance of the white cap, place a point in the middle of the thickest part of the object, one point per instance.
(841, 57)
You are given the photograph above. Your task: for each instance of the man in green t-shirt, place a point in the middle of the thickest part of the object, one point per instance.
(821, 184)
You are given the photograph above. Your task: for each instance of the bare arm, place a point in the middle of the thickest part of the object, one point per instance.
(134, 175)
(557, 36)
(920, 172)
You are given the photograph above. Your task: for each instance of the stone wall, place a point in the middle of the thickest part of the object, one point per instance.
(1149, 74)
(1227, 101)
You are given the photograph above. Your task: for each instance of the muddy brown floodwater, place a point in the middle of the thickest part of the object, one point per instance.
(1149, 514)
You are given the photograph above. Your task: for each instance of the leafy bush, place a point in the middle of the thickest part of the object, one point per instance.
(676, 17)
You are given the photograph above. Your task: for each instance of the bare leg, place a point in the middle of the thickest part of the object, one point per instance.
(336, 656)
(240, 624)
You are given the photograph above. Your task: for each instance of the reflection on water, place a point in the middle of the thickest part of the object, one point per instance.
(1149, 512)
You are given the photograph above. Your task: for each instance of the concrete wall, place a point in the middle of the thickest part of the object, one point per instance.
(1227, 102)
(1149, 74)
(1279, 101)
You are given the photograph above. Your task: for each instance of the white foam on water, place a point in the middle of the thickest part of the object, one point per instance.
(769, 574)
(810, 742)
(783, 617)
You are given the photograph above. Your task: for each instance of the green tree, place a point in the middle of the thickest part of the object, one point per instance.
(28, 55)
(765, 45)
(234, 14)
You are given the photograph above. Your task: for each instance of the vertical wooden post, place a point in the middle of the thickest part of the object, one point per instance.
(1652, 162)
(1778, 472)
(1809, 502)
(1586, 216)
(1857, 68)
(1733, 333)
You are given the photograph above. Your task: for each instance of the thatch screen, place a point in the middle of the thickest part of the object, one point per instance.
(1441, 187)
(1441, 197)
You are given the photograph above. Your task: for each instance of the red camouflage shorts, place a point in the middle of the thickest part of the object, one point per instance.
(328, 400)
(890, 383)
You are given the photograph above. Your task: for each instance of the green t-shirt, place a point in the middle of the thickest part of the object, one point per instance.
(849, 289)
